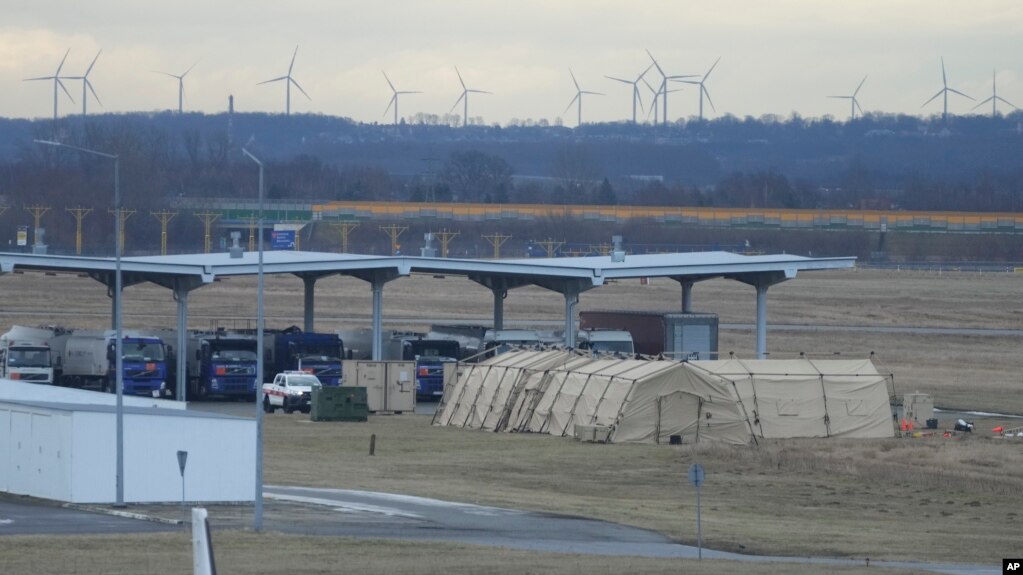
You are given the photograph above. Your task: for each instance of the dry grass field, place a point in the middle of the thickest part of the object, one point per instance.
(933, 499)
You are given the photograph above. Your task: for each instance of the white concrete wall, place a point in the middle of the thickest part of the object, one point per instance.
(221, 458)
(35, 458)
(21, 391)
(71, 456)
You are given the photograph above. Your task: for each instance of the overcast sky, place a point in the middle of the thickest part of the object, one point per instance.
(777, 56)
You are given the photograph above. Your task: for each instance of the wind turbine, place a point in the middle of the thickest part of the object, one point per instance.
(181, 86)
(56, 77)
(994, 98)
(578, 99)
(854, 103)
(703, 88)
(635, 90)
(394, 98)
(663, 90)
(944, 92)
(87, 84)
(657, 94)
(288, 81)
(464, 98)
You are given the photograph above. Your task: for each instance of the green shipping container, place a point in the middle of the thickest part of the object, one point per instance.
(339, 404)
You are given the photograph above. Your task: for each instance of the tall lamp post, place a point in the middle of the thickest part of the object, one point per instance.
(118, 343)
(258, 515)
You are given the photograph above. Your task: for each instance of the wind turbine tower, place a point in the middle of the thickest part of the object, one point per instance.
(86, 84)
(394, 97)
(854, 103)
(288, 81)
(635, 90)
(464, 98)
(56, 77)
(663, 90)
(994, 98)
(703, 88)
(944, 92)
(578, 99)
(181, 86)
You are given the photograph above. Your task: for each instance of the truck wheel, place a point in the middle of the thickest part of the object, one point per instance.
(267, 407)
(108, 386)
(306, 410)
(288, 408)
(203, 391)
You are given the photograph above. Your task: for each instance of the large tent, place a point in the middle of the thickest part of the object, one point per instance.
(649, 401)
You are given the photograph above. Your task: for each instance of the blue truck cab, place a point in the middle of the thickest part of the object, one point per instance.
(430, 356)
(144, 364)
(318, 354)
(225, 365)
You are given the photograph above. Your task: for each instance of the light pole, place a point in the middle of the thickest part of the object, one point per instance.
(258, 515)
(118, 343)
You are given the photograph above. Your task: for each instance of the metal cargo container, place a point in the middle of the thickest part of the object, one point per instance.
(339, 404)
(691, 336)
(390, 385)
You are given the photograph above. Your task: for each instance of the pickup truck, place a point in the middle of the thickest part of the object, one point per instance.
(291, 391)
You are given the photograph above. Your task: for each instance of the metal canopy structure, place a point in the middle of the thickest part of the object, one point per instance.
(567, 276)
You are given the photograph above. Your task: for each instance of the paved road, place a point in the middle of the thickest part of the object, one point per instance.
(383, 515)
(31, 518)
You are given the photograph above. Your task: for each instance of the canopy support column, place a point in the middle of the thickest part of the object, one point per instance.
(181, 372)
(378, 318)
(762, 281)
(310, 293)
(571, 301)
(687, 295)
(499, 295)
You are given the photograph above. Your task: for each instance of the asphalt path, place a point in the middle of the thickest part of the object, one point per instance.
(40, 518)
(374, 515)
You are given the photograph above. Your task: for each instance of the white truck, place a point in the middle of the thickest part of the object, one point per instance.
(599, 341)
(25, 355)
(290, 391)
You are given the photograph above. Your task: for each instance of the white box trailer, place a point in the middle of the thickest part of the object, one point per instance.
(25, 354)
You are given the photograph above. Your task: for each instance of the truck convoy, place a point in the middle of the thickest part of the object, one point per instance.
(25, 355)
(84, 358)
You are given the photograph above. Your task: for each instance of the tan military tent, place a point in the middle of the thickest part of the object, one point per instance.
(644, 401)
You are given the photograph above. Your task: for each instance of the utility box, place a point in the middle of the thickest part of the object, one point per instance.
(592, 433)
(691, 336)
(390, 385)
(918, 408)
(339, 404)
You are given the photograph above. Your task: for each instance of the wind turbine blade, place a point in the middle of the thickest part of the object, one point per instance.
(693, 82)
(39, 78)
(88, 84)
(292, 65)
(388, 82)
(857, 104)
(266, 81)
(455, 105)
(460, 81)
(982, 103)
(954, 91)
(573, 79)
(706, 92)
(189, 69)
(940, 92)
(944, 80)
(89, 69)
(165, 74)
(618, 80)
(57, 73)
(299, 88)
(841, 97)
(639, 98)
(678, 77)
(593, 93)
(391, 102)
(408, 92)
(647, 69)
(1006, 101)
(711, 69)
(856, 93)
(61, 84)
(479, 91)
(570, 104)
(651, 88)
(654, 60)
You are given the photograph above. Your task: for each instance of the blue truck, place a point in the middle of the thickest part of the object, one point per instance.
(221, 364)
(430, 356)
(292, 349)
(85, 358)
